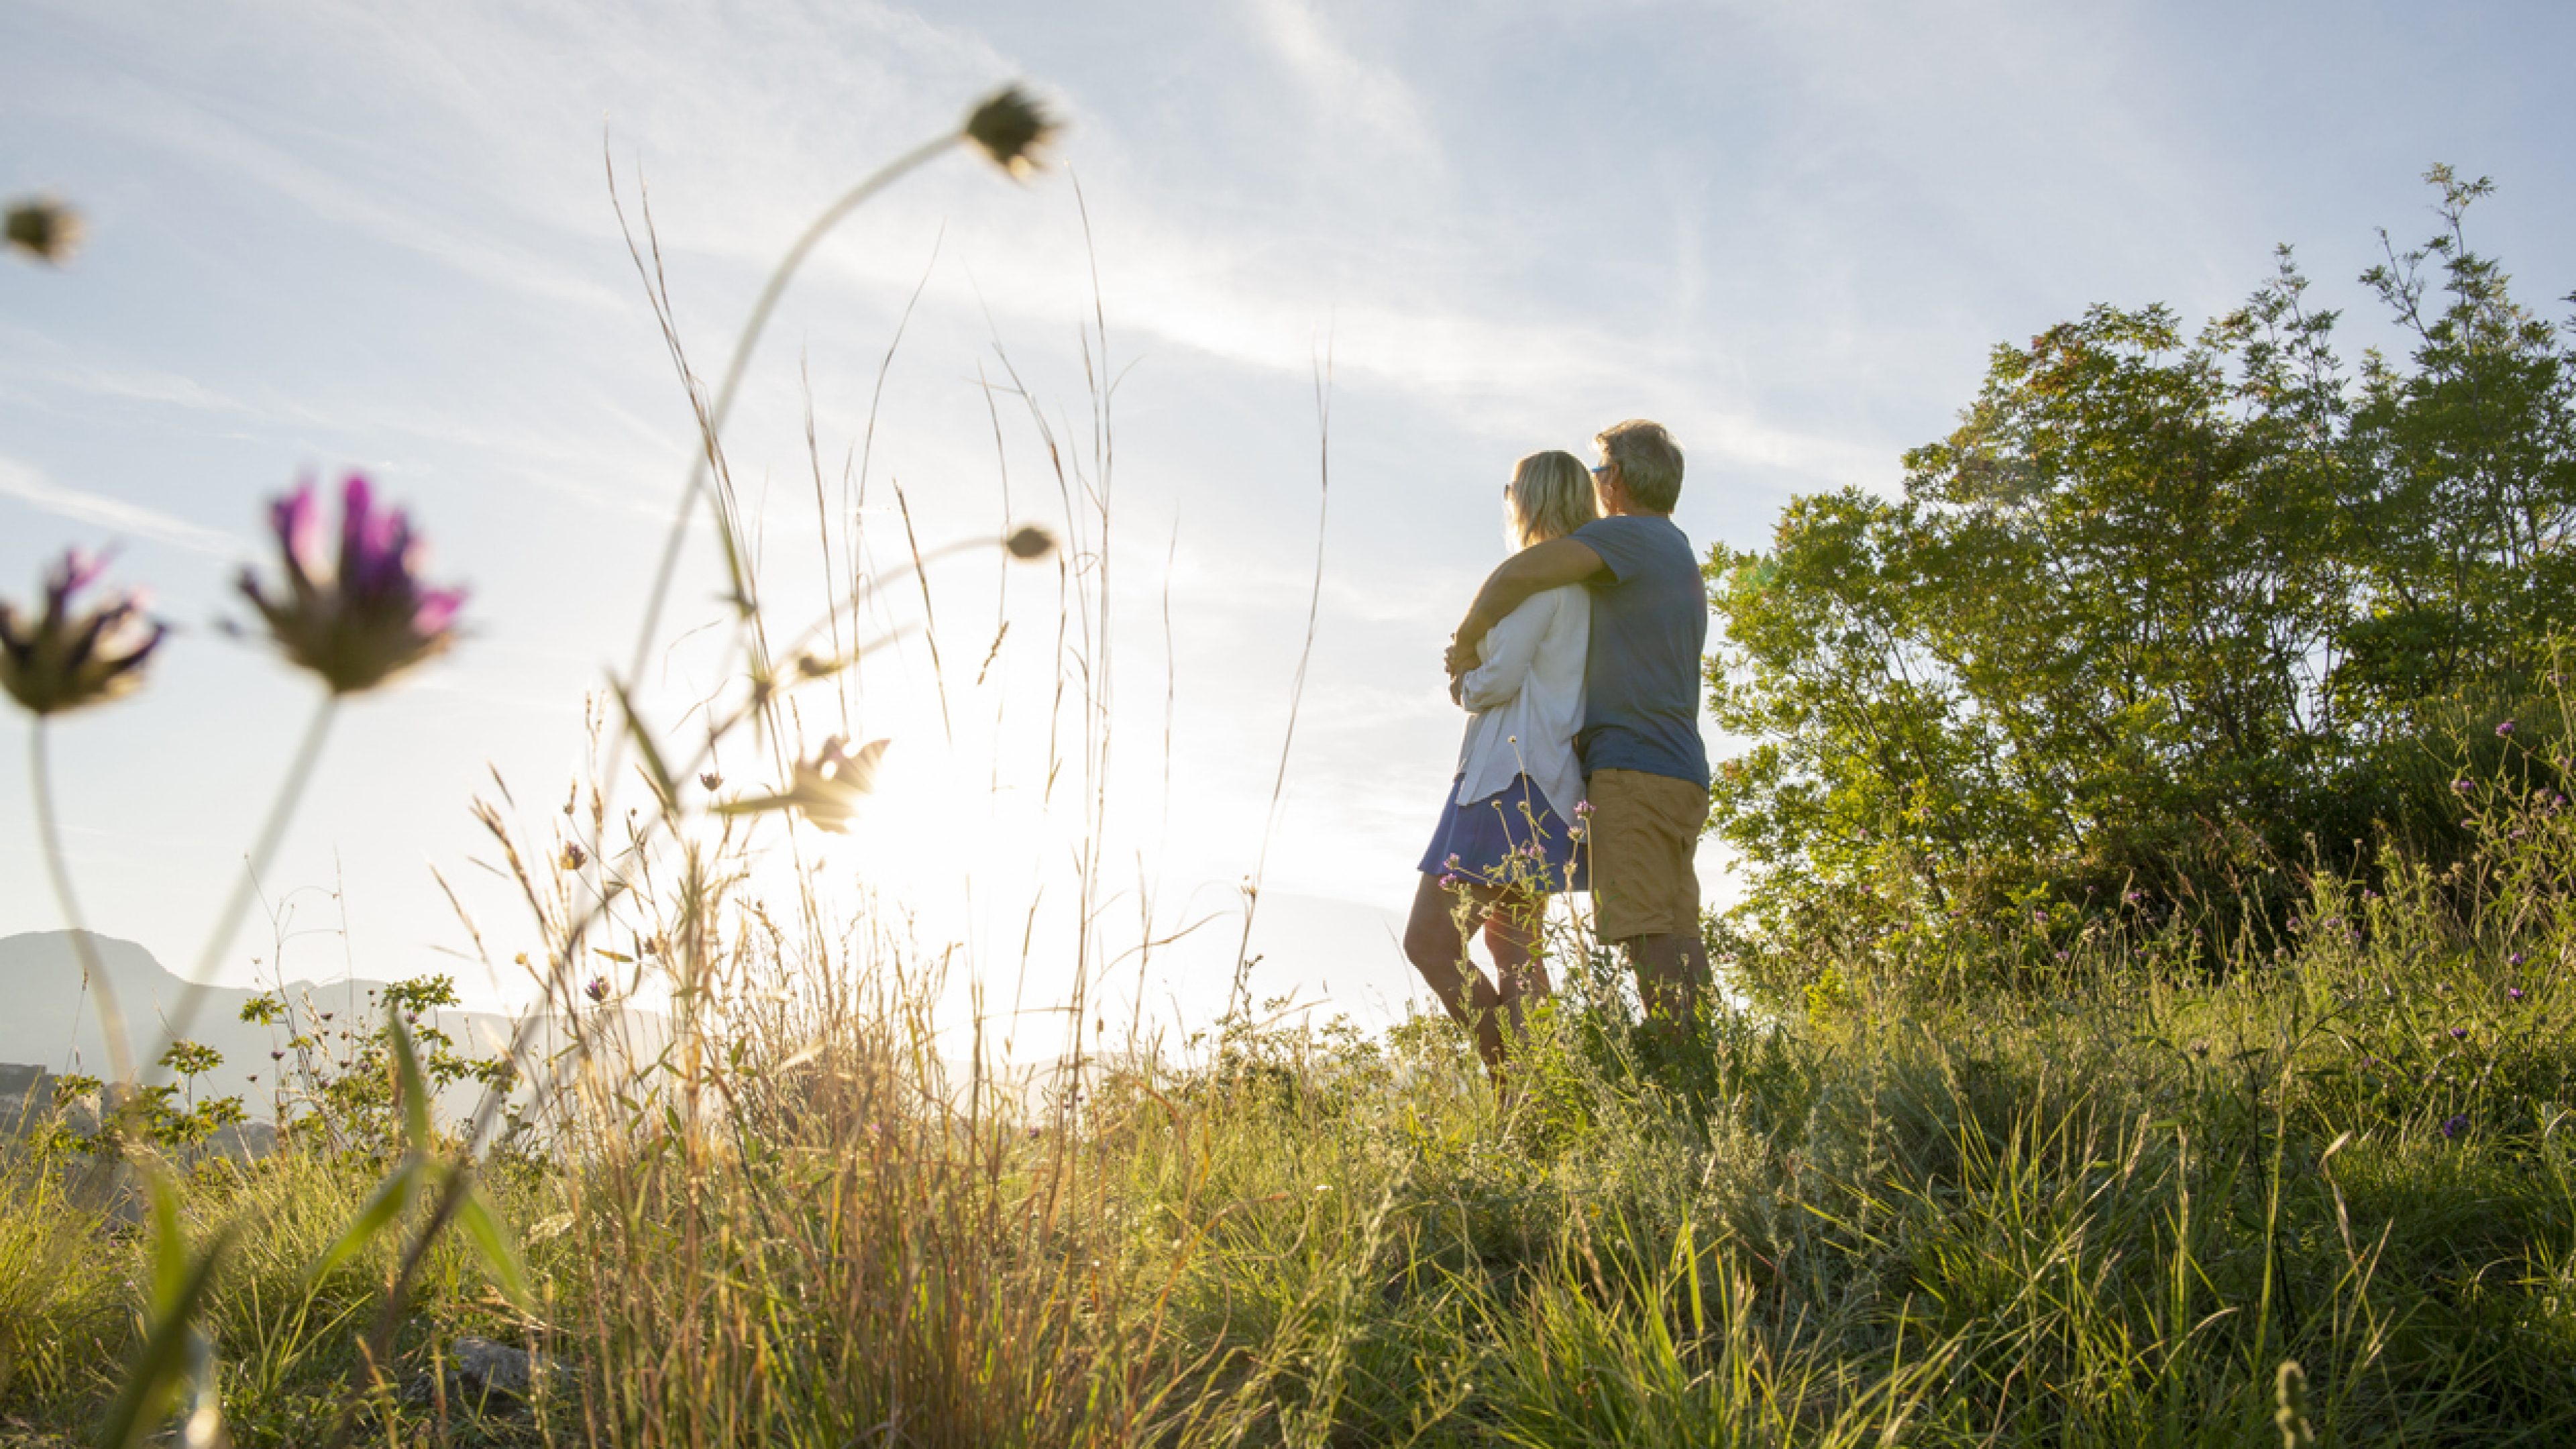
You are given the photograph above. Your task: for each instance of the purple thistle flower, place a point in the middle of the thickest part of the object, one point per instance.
(2459, 1032)
(70, 656)
(2516, 959)
(2461, 787)
(1450, 880)
(2456, 1125)
(362, 617)
(2513, 993)
(2504, 729)
(596, 988)
(1582, 807)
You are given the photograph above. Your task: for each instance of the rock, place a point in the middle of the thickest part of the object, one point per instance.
(483, 1374)
(494, 1367)
(241, 1142)
(26, 1098)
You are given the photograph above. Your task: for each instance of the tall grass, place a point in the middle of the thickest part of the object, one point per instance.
(2106, 1214)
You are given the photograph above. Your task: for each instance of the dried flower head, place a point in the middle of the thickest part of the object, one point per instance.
(711, 780)
(1012, 128)
(69, 656)
(45, 229)
(1029, 543)
(596, 988)
(365, 616)
(827, 789)
(574, 857)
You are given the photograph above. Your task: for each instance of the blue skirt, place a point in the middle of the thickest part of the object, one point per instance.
(1509, 838)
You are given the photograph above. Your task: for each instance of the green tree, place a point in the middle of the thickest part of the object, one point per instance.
(2162, 610)
(2465, 481)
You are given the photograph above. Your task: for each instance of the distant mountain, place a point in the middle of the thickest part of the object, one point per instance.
(51, 1022)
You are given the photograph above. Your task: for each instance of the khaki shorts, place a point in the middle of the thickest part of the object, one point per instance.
(1643, 831)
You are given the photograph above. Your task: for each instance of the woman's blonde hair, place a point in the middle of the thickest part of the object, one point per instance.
(1550, 496)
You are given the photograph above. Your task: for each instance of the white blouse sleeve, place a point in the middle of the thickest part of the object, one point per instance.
(1508, 650)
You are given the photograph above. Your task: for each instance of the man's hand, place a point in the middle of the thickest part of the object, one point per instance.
(1548, 565)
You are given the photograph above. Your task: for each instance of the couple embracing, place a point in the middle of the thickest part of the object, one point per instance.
(1582, 769)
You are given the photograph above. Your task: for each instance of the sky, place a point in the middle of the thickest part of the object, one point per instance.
(1335, 266)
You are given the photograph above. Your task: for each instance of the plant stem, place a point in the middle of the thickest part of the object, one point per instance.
(742, 348)
(49, 841)
(263, 851)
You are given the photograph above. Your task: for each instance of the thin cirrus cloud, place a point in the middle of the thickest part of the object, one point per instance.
(24, 483)
(1233, 295)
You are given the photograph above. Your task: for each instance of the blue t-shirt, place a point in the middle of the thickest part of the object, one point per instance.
(1649, 628)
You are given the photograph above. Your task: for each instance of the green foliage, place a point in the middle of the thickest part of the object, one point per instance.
(2163, 613)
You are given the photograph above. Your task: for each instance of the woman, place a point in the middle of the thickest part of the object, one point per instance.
(1506, 839)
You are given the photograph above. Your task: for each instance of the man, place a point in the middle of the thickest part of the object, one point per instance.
(1645, 770)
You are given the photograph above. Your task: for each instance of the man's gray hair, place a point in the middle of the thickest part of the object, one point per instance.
(1649, 462)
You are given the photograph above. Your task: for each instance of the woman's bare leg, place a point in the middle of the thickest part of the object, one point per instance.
(1512, 922)
(1435, 941)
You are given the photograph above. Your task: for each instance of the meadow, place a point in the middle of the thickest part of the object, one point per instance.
(2323, 1198)
(2182, 1170)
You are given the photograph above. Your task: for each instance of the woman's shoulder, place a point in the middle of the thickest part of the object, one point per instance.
(1565, 597)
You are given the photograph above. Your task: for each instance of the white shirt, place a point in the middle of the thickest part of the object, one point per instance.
(1527, 696)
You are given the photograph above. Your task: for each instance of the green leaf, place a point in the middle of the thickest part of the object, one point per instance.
(492, 1242)
(391, 1198)
(169, 1250)
(645, 749)
(154, 1382)
(407, 1076)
